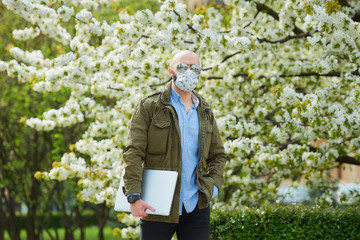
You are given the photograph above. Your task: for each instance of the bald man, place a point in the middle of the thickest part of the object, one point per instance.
(176, 130)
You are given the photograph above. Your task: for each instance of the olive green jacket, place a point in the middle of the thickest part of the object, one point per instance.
(154, 142)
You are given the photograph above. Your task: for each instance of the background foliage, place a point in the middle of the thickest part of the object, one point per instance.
(286, 222)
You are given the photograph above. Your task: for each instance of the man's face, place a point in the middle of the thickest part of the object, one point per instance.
(189, 59)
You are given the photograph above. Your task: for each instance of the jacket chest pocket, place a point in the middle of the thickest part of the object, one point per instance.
(207, 144)
(158, 135)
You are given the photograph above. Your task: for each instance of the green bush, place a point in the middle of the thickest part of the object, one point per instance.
(287, 222)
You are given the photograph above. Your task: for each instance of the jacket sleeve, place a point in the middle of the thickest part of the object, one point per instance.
(135, 150)
(217, 158)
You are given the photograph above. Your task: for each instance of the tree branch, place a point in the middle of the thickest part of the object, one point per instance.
(260, 7)
(142, 36)
(331, 74)
(348, 160)
(341, 159)
(209, 78)
(159, 84)
(231, 55)
(79, 20)
(356, 17)
(226, 58)
(288, 38)
(194, 30)
(257, 13)
(344, 3)
(241, 74)
(176, 13)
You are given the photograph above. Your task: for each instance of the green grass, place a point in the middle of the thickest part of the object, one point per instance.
(91, 233)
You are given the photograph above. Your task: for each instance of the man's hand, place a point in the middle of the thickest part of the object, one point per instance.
(138, 208)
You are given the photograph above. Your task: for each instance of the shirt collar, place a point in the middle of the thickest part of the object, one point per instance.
(176, 97)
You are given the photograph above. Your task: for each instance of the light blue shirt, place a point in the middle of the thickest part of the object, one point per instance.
(189, 129)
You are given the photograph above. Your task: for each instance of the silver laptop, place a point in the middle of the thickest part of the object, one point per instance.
(158, 188)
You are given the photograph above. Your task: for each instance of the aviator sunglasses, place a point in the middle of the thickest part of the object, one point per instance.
(182, 67)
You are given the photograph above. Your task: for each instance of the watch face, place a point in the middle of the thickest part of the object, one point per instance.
(133, 198)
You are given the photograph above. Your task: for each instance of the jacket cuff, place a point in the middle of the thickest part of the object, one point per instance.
(133, 187)
(133, 194)
(218, 181)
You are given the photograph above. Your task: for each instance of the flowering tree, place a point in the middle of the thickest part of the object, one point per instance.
(280, 75)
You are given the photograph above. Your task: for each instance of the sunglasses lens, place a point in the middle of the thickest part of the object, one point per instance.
(181, 67)
(195, 68)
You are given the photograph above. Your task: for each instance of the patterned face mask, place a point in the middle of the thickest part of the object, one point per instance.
(187, 81)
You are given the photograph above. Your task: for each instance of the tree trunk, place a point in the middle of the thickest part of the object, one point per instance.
(102, 216)
(2, 221)
(69, 235)
(80, 222)
(33, 228)
(49, 210)
(13, 229)
(51, 217)
(6, 201)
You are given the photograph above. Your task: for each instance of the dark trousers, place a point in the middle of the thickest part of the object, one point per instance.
(194, 225)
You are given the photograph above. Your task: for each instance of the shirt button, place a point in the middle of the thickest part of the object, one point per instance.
(184, 140)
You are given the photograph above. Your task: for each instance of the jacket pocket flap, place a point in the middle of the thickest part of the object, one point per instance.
(161, 124)
(209, 128)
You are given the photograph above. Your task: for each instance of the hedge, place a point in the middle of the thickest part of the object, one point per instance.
(287, 222)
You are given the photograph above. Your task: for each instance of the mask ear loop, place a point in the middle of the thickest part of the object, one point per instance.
(174, 75)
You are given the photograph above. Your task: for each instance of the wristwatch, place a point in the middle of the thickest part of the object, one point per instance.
(132, 198)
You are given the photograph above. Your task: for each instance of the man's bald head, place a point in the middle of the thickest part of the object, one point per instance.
(184, 55)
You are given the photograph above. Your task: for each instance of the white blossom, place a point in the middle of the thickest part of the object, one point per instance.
(65, 13)
(26, 33)
(84, 15)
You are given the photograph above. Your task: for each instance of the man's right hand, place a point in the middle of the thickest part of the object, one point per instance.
(138, 208)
